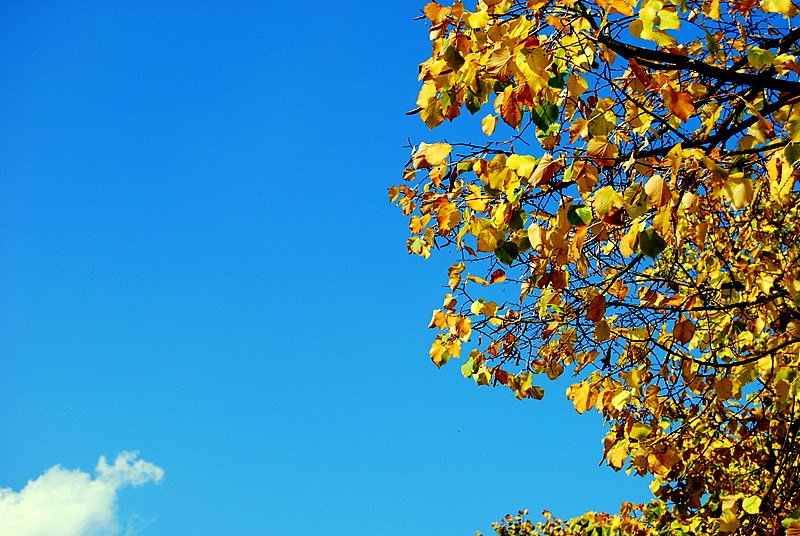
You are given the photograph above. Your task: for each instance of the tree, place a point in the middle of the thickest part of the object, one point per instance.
(644, 205)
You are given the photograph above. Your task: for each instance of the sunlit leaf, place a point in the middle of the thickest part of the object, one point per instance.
(739, 191)
(488, 124)
(678, 102)
(429, 155)
(752, 504)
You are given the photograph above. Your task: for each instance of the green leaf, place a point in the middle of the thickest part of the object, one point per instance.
(453, 58)
(599, 124)
(544, 115)
(794, 516)
(579, 215)
(651, 243)
(417, 245)
(711, 43)
(636, 200)
(518, 220)
(507, 253)
(792, 152)
(473, 103)
(469, 368)
(464, 166)
(760, 58)
(559, 80)
(640, 431)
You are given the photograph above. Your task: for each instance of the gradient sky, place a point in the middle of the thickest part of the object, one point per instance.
(198, 263)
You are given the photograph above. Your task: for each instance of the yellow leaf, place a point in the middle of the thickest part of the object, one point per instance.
(602, 151)
(581, 395)
(616, 6)
(605, 199)
(511, 111)
(738, 191)
(454, 273)
(438, 320)
(585, 174)
(448, 216)
(616, 456)
(429, 155)
(661, 462)
(751, 504)
(601, 331)
(416, 225)
(433, 114)
(724, 388)
(760, 58)
(522, 165)
(477, 20)
(457, 10)
(488, 124)
(536, 236)
(426, 93)
(578, 129)
(675, 158)
(711, 9)
(628, 243)
(438, 352)
(728, 521)
(460, 326)
(576, 85)
(475, 200)
(784, 7)
(489, 239)
(620, 399)
(658, 191)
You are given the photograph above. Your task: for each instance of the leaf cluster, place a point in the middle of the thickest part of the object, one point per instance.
(643, 205)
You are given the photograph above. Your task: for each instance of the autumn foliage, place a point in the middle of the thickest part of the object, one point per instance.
(636, 185)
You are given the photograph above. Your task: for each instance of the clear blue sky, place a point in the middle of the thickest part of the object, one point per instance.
(198, 262)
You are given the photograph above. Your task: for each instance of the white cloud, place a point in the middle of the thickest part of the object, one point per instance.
(71, 503)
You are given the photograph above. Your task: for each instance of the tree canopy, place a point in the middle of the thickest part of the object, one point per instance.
(635, 193)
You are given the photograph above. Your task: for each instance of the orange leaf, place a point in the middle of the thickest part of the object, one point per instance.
(616, 6)
(637, 70)
(501, 375)
(678, 102)
(511, 111)
(436, 12)
(498, 276)
(684, 331)
(597, 309)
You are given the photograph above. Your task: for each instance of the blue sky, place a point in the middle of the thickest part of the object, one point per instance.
(198, 263)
